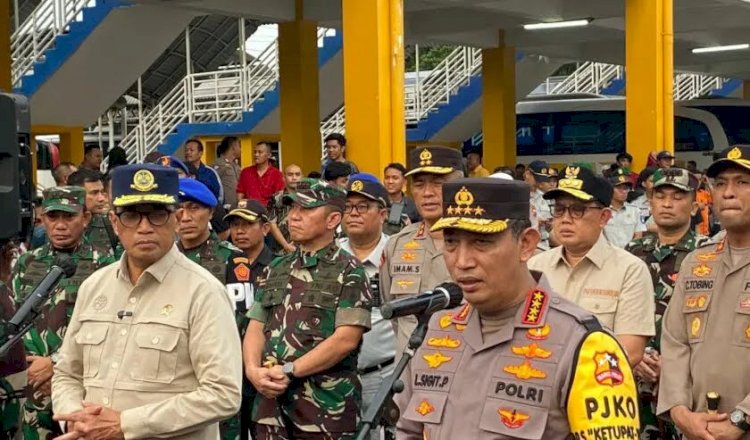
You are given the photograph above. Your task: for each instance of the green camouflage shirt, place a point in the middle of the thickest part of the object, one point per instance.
(302, 298)
(12, 378)
(278, 213)
(664, 264)
(96, 234)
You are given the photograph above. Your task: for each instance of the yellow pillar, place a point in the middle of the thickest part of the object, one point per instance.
(374, 82)
(499, 105)
(299, 103)
(746, 89)
(71, 145)
(5, 62)
(649, 79)
(247, 144)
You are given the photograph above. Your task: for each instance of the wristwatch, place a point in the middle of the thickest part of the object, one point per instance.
(738, 419)
(288, 369)
(54, 358)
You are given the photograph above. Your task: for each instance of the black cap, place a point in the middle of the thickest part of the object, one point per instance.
(144, 183)
(483, 205)
(367, 186)
(620, 177)
(736, 156)
(664, 155)
(434, 160)
(540, 169)
(248, 209)
(582, 184)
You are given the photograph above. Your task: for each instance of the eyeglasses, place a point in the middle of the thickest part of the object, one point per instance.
(131, 219)
(576, 211)
(360, 207)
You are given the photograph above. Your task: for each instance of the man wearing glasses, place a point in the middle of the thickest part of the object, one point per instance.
(152, 350)
(607, 281)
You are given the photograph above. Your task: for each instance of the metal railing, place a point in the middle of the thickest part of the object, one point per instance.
(693, 85)
(589, 77)
(38, 33)
(219, 96)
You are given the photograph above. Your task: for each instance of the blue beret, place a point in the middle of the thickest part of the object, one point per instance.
(144, 183)
(193, 191)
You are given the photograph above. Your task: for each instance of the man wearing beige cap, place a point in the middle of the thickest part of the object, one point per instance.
(413, 258)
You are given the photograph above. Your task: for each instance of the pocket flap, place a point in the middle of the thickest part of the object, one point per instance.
(271, 297)
(598, 304)
(157, 338)
(92, 333)
(426, 407)
(514, 420)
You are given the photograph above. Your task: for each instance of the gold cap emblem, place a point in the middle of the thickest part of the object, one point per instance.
(357, 185)
(425, 158)
(735, 154)
(464, 200)
(143, 181)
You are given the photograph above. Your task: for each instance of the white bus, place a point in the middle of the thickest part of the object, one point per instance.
(592, 129)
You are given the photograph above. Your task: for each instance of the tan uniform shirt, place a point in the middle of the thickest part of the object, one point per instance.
(173, 368)
(609, 282)
(412, 265)
(548, 373)
(706, 333)
(229, 175)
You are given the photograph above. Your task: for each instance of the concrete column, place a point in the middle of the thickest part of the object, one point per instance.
(499, 105)
(649, 79)
(374, 83)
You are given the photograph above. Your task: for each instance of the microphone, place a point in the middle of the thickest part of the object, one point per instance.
(444, 296)
(63, 267)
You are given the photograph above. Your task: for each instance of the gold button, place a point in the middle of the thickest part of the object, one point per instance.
(132, 300)
(155, 340)
(124, 332)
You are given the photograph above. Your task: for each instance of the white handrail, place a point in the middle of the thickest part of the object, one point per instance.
(38, 32)
(219, 96)
(589, 77)
(693, 85)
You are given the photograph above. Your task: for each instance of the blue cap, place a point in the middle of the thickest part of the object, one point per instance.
(367, 185)
(144, 183)
(193, 191)
(171, 161)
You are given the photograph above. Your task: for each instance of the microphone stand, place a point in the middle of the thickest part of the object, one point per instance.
(383, 400)
(9, 336)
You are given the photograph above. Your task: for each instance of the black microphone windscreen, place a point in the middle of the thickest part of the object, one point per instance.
(65, 263)
(455, 294)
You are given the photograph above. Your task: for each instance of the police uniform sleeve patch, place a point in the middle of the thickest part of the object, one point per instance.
(602, 398)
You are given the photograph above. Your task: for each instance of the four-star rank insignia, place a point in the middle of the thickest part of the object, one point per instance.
(534, 309)
(464, 200)
(512, 418)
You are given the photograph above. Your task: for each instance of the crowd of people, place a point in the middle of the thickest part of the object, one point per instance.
(220, 301)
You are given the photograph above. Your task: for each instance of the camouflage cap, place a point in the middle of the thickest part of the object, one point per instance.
(677, 177)
(70, 199)
(312, 193)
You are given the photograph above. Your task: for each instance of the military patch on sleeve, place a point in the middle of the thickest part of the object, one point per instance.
(603, 399)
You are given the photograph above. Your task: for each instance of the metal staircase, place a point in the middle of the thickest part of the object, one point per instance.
(219, 96)
(38, 32)
(425, 95)
(589, 77)
(693, 85)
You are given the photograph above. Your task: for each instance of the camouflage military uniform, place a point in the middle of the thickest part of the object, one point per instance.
(301, 300)
(12, 375)
(97, 234)
(222, 259)
(45, 338)
(664, 264)
(278, 213)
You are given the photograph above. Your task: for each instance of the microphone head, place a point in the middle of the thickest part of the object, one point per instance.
(67, 265)
(455, 294)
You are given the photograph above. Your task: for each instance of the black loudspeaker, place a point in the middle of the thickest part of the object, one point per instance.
(16, 183)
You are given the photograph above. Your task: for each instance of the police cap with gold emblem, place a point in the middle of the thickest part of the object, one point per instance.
(249, 210)
(620, 177)
(583, 184)
(483, 205)
(368, 186)
(144, 183)
(679, 178)
(434, 160)
(736, 156)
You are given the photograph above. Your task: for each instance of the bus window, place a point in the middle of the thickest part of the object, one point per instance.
(734, 120)
(582, 132)
(691, 135)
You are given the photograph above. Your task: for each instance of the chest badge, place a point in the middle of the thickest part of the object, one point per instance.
(242, 272)
(100, 302)
(708, 256)
(538, 334)
(411, 245)
(167, 310)
(408, 256)
(436, 359)
(525, 371)
(512, 418)
(531, 351)
(695, 327)
(702, 270)
(424, 408)
(444, 342)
